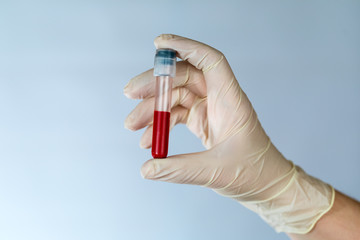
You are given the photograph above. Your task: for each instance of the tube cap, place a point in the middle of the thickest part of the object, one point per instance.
(165, 62)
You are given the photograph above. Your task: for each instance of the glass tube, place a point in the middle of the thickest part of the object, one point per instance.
(164, 70)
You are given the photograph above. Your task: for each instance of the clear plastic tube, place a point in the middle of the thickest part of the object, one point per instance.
(164, 70)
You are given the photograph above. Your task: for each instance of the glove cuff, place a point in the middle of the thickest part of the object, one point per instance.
(300, 204)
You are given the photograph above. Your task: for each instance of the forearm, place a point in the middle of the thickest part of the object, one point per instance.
(341, 222)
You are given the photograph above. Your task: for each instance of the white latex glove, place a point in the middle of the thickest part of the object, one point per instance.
(241, 162)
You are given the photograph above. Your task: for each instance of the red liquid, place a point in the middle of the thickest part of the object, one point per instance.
(160, 140)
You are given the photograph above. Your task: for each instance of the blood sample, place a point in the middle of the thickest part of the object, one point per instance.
(164, 71)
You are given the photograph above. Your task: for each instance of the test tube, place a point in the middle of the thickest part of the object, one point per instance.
(164, 71)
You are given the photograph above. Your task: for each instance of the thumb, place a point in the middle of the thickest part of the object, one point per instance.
(194, 168)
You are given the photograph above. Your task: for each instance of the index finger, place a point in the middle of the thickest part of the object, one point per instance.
(143, 85)
(211, 62)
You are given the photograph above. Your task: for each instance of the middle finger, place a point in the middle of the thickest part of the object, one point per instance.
(143, 113)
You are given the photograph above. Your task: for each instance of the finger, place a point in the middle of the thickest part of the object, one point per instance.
(178, 115)
(194, 168)
(217, 72)
(143, 113)
(146, 139)
(143, 85)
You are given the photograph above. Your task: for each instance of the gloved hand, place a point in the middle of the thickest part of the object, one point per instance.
(240, 161)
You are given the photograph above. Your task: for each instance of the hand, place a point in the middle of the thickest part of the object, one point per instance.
(240, 161)
(209, 100)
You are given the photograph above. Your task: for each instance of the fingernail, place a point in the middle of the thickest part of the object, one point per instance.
(126, 88)
(163, 37)
(166, 36)
(143, 144)
(127, 94)
(127, 85)
(128, 121)
(147, 170)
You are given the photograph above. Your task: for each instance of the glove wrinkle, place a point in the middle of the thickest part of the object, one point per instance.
(208, 68)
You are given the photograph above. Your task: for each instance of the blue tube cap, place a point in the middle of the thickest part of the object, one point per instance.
(165, 62)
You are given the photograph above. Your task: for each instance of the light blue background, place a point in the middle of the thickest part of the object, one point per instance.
(69, 169)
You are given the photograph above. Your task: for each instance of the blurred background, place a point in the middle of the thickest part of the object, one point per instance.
(69, 169)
